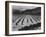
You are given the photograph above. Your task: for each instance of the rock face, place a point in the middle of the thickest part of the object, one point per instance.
(36, 11)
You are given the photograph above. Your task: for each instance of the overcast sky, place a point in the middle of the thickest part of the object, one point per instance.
(23, 7)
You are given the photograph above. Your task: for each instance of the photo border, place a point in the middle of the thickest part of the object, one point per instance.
(7, 17)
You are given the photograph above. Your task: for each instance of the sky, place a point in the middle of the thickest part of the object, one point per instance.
(23, 7)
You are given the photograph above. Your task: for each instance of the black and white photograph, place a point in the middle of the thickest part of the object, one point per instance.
(25, 18)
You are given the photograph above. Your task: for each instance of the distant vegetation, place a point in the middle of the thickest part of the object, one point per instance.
(36, 11)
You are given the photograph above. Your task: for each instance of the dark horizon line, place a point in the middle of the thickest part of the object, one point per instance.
(36, 11)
